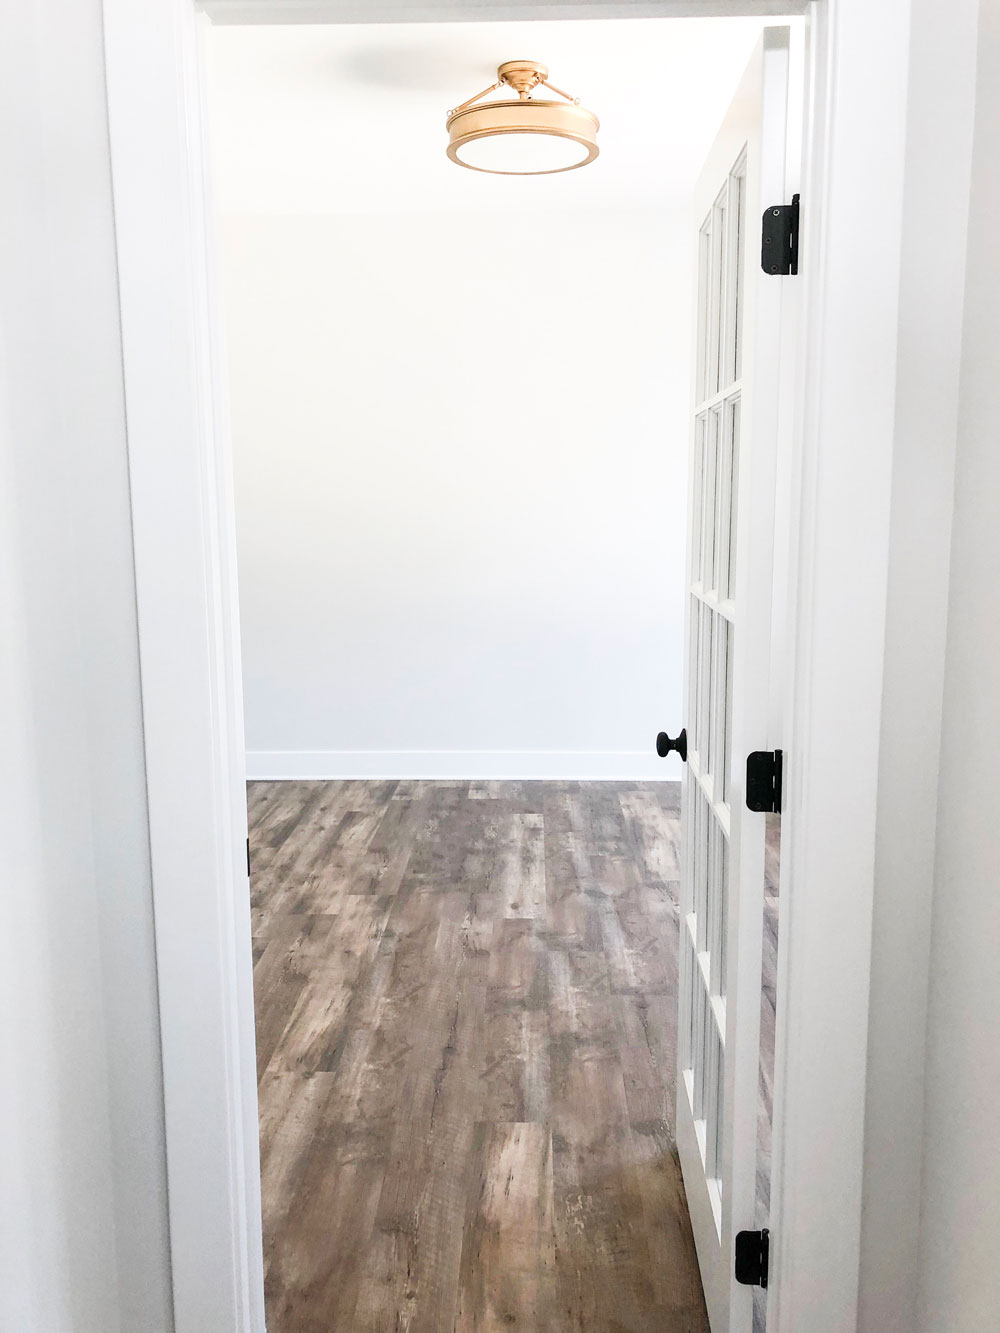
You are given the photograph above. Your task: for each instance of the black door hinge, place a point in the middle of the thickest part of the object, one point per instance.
(248, 858)
(764, 781)
(779, 238)
(752, 1249)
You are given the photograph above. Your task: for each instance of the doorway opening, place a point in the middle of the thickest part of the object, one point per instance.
(461, 436)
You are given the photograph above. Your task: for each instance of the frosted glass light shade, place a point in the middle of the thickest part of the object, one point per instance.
(522, 153)
(523, 138)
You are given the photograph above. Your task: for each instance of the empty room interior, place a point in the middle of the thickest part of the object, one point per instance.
(461, 420)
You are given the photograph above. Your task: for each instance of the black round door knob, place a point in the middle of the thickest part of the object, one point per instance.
(665, 743)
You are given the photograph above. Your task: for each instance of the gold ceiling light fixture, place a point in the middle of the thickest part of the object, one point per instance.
(526, 136)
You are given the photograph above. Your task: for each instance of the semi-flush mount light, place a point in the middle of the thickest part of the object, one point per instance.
(526, 137)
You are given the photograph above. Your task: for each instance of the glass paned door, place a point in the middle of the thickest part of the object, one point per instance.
(731, 529)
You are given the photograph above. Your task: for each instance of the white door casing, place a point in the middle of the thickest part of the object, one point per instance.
(731, 518)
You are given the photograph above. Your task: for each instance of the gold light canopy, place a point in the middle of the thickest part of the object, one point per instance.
(526, 136)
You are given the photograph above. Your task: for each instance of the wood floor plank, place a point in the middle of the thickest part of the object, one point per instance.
(294, 946)
(422, 1202)
(508, 1272)
(673, 1262)
(291, 1107)
(653, 832)
(604, 1277)
(313, 1039)
(520, 874)
(466, 1009)
(317, 1258)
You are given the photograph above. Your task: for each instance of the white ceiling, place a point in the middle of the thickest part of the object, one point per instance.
(351, 118)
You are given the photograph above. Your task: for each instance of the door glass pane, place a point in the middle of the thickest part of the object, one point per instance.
(768, 998)
(713, 1088)
(723, 914)
(724, 686)
(700, 864)
(704, 278)
(737, 213)
(716, 292)
(685, 1054)
(708, 509)
(700, 1006)
(720, 727)
(714, 1127)
(698, 464)
(694, 648)
(733, 462)
(715, 901)
(705, 691)
(727, 755)
(706, 941)
(727, 478)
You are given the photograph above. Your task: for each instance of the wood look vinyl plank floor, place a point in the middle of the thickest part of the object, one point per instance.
(466, 1021)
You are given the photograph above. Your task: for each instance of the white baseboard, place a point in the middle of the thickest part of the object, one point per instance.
(581, 765)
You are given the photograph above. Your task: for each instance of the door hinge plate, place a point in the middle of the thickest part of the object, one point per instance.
(248, 858)
(779, 238)
(763, 790)
(752, 1253)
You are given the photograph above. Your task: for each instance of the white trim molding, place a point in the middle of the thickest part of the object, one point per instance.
(185, 565)
(494, 11)
(876, 423)
(189, 656)
(528, 765)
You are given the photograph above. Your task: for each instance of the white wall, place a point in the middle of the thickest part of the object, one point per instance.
(960, 1209)
(83, 1230)
(460, 449)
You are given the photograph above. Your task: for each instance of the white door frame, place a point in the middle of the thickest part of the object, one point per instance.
(842, 553)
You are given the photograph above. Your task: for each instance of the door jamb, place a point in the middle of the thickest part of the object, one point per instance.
(189, 640)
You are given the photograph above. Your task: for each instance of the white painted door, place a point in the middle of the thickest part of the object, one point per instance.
(731, 527)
